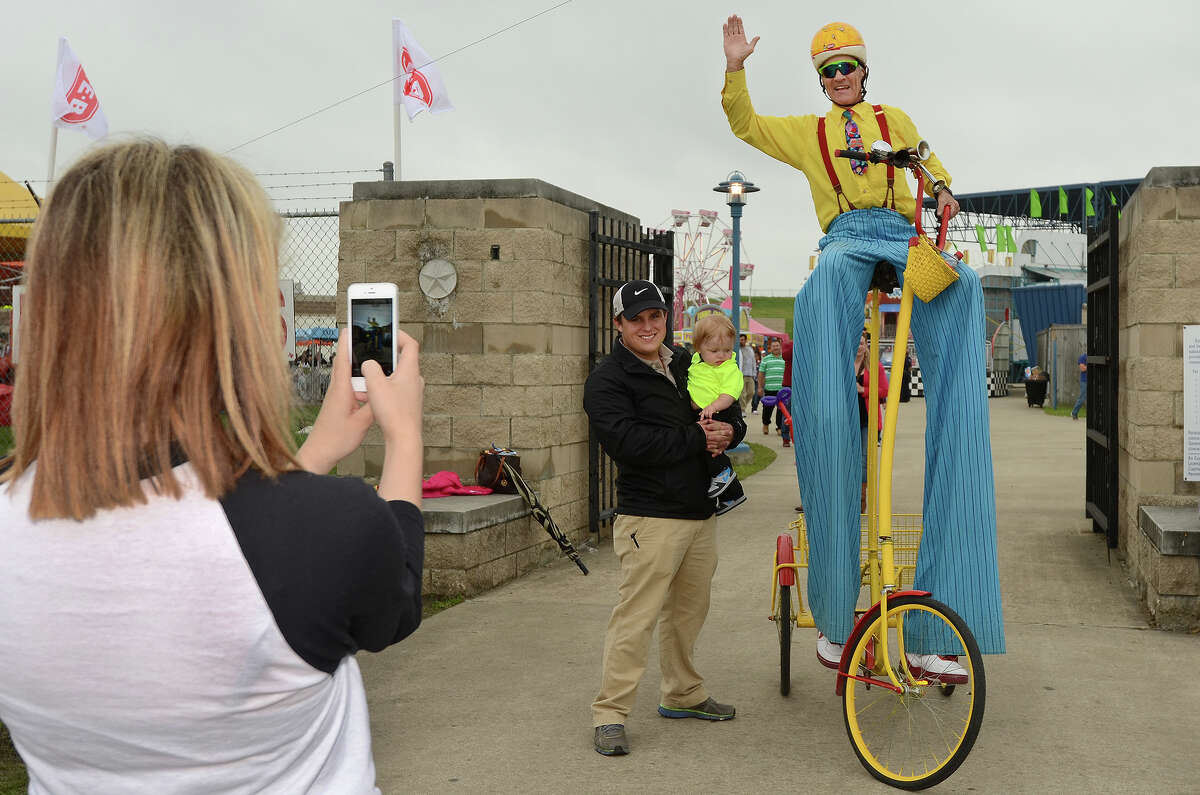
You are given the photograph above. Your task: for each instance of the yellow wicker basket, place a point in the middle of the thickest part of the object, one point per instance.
(929, 271)
(906, 541)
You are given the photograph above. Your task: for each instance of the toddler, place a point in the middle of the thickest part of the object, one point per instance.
(714, 384)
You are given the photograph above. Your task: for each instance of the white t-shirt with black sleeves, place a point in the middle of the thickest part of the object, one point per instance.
(199, 645)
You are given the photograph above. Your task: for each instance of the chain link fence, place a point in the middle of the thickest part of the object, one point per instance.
(309, 258)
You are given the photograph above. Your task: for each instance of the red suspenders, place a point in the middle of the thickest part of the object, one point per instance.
(837, 186)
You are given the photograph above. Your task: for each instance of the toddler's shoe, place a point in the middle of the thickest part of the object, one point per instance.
(728, 505)
(721, 481)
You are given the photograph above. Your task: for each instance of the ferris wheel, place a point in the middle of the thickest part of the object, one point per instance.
(704, 257)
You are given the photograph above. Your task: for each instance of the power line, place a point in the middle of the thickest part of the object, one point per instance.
(396, 77)
(305, 185)
(307, 173)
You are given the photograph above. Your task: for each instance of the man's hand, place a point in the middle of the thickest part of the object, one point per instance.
(737, 49)
(717, 436)
(946, 199)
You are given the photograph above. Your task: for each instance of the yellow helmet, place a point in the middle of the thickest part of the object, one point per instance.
(837, 39)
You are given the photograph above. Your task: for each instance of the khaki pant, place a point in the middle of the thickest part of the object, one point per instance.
(668, 566)
(749, 387)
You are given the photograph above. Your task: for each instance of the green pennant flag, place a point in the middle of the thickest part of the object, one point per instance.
(1035, 204)
(981, 234)
(1113, 199)
(1088, 194)
(1062, 202)
(1010, 241)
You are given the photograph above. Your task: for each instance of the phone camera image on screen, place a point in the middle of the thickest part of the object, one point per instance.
(371, 333)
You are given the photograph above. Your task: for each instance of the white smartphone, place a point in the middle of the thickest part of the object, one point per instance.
(372, 317)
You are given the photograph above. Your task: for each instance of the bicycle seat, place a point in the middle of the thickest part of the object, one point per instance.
(884, 278)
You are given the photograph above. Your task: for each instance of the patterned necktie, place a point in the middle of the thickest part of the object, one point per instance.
(854, 143)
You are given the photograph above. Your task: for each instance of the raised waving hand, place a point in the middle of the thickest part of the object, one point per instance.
(737, 48)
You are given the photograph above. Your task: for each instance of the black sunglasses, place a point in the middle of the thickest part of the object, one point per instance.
(839, 68)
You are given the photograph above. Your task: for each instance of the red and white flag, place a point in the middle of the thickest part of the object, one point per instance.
(75, 103)
(419, 84)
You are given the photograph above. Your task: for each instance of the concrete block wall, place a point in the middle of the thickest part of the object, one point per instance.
(504, 356)
(1159, 273)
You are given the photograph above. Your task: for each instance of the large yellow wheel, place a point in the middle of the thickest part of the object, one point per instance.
(917, 737)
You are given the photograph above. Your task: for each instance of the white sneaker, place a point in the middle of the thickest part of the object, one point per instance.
(942, 669)
(829, 653)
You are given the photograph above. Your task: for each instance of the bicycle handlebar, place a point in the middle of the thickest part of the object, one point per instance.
(900, 158)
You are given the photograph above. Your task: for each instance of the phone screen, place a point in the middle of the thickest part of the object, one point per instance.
(371, 333)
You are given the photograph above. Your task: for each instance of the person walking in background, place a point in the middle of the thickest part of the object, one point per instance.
(862, 379)
(664, 533)
(770, 381)
(785, 429)
(749, 367)
(1082, 387)
(754, 401)
(182, 593)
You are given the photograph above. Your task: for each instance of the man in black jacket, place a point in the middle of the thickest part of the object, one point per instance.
(665, 531)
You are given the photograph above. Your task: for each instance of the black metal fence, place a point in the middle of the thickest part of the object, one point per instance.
(620, 251)
(1103, 368)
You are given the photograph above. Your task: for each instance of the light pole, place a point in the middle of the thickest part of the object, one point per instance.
(735, 187)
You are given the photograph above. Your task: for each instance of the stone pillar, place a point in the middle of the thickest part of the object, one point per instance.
(504, 356)
(1159, 294)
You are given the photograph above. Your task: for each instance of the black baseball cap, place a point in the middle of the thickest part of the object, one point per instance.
(636, 296)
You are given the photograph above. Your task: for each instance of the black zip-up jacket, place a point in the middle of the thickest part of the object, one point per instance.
(648, 426)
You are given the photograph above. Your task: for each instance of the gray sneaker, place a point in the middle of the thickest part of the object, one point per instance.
(706, 710)
(610, 740)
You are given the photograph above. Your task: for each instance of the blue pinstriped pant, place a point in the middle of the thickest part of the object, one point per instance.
(957, 559)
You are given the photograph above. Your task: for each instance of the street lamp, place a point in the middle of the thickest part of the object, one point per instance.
(736, 186)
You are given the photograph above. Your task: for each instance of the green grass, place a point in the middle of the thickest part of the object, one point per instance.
(763, 456)
(431, 606)
(303, 417)
(1064, 410)
(6, 440)
(13, 778)
(772, 307)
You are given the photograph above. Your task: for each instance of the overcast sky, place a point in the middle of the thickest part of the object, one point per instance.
(616, 100)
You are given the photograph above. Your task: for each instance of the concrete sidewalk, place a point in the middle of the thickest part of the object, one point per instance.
(493, 695)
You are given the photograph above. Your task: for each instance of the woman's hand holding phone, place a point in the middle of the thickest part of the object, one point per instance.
(343, 421)
(397, 402)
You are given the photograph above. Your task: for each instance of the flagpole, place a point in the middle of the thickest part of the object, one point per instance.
(398, 109)
(53, 152)
(54, 127)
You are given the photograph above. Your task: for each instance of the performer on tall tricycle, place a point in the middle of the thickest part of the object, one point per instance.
(867, 216)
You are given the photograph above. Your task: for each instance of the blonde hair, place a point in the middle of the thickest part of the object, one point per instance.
(713, 325)
(153, 330)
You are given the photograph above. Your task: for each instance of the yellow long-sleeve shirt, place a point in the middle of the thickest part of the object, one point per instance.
(793, 140)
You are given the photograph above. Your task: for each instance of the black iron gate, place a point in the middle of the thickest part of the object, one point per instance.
(621, 251)
(1103, 366)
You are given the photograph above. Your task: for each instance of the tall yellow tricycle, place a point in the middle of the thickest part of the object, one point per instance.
(911, 723)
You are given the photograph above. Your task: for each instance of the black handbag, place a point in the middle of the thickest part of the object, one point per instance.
(488, 471)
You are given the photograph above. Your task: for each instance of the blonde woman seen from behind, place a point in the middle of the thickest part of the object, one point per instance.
(181, 592)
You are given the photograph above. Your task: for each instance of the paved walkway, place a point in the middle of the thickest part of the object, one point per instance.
(493, 695)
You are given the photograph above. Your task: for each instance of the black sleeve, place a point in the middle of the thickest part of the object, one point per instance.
(627, 436)
(733, 416)
(340, 568)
